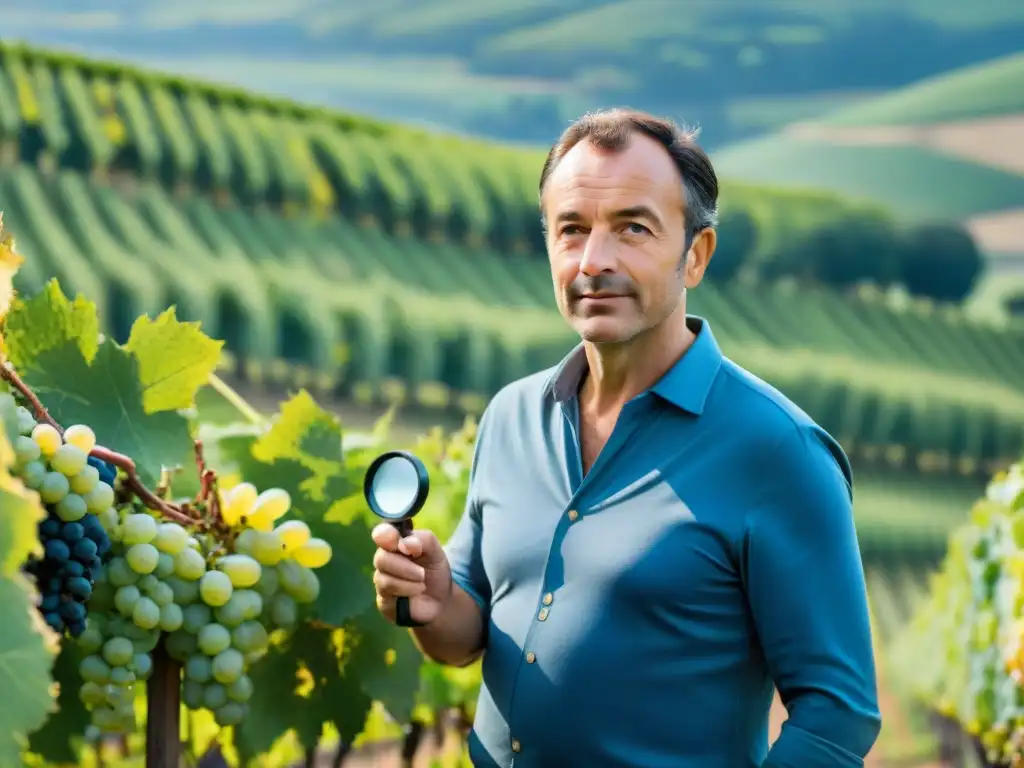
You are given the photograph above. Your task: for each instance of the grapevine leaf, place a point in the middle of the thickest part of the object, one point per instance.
(27, 645)
(303, 431)
(27, 651)
(55, 741)
(175, 359)
(20, 513)
(346, 582)
(49, 320)
(10, 262)
(386, 662)
(299, 688)
(108, 396)
(274, 707)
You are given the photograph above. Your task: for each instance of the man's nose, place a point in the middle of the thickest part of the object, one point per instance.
(598, 255)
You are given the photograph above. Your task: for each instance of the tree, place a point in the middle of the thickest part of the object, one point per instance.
(941, 261)
(737, 238)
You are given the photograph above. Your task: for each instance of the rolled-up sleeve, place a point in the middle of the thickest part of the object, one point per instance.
(805, 582)
(463, 548)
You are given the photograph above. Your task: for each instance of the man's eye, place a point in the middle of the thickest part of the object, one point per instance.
(635, 228)
(570, 229)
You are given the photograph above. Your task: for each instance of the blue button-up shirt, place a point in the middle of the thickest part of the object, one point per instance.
(639, 616)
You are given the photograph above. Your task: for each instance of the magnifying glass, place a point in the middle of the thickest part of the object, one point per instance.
(396, 486)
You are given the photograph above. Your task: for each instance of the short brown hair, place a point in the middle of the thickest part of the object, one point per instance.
(611, 130)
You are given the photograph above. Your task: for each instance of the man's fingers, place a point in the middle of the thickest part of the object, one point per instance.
(390, 586)
(398, 566)
(386, 536)
(412, 545)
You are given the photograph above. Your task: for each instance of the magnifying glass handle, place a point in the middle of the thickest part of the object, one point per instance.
(403, 611)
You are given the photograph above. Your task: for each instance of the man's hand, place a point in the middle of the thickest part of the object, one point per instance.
(415, 567)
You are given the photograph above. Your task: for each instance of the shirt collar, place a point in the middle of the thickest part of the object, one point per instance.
(686, 384)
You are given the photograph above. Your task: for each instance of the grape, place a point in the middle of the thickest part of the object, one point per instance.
(270, 506)
(72, 532)
(284, 611)
(100, 498)
(171, 538)
(85, 480)
(26, 450)
(54, 488)
(139, 528)
(299, 582)
(122, 676)
(81, 437)
(33, 474)
(94, 670)
(164, 567)
(180, 644)
(171, 617)
(71, 508)
(199, 668)
(125, 599)
(118, 651)
(213, 638)
(91, 694)
(161, 593)
(238, 502)
(231, 713)
(228, 666)
(142, 664)
(189, 564)
(192, 694)
(315, 553)
(233, 612)
(249, 636)
(107, 472)
(196, 616)
(241, 690)
(269, 583)
(69, 460)
(245, 540)
(79, 587)
(293, 534)
(267, 548)
(215, 588)
(26, 422)
(142, 558)
(215, 696)
(48, 439)
(146, 613)
(185, 592)
(242, 570)
(57, 551)
(120, 573)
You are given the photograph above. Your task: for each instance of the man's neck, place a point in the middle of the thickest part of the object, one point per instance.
(619, 372)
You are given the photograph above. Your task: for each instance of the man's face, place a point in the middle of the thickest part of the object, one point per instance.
(615, 239)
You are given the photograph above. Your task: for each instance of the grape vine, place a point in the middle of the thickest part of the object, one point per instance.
(154, 559)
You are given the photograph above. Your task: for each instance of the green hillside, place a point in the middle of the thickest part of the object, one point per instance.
(989, 89)
(366, 261)
(907, 179)
(518, 69)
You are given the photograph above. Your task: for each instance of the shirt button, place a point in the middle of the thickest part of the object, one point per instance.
(530, 657)
(516, 746)
(543, 614)
(573, 514)
(548, 598)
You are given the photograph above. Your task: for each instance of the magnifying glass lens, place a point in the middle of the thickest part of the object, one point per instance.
(395, 487)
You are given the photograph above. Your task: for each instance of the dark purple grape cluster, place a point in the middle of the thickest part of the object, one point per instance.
(73, 554)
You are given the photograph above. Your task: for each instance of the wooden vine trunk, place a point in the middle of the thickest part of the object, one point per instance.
(163, 712)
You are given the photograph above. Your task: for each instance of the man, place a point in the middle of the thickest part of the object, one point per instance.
(653, 536)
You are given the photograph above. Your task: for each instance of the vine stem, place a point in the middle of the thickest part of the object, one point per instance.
(167, 509)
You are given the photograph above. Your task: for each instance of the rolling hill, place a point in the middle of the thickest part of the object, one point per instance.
(518, 69)
(948, 147)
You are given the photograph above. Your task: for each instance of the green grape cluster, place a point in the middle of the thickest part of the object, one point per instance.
(214, 605)
(970, 631)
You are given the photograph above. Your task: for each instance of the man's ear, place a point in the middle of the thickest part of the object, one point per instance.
(699, 256)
